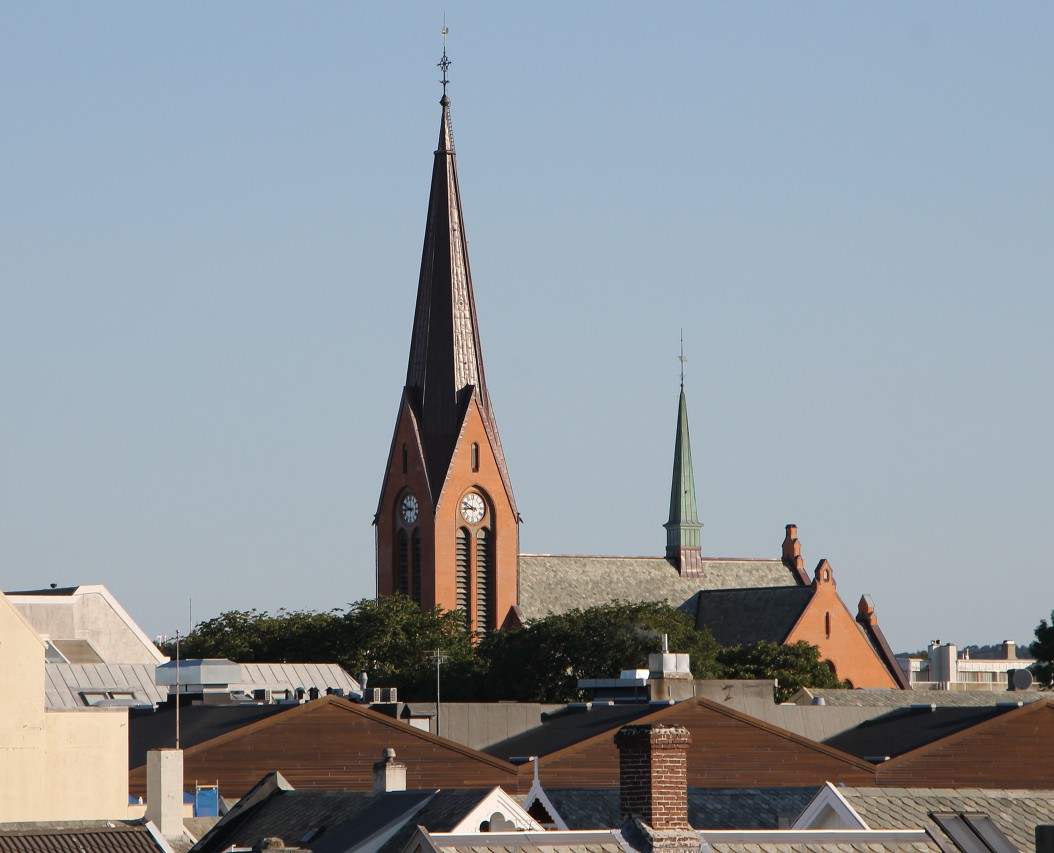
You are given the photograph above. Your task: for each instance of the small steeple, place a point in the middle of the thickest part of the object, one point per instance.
(445, 367)
(682, 530)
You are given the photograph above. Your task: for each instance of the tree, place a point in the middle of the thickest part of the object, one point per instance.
(543, 661)
(390, 639)
(1043, 651)
(794, 666)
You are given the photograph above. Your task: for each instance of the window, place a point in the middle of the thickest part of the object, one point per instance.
(827, 624)
(402, 548)
(405, 466)
(484, 580)
(475, 456)
(462, 556)
(415, 548)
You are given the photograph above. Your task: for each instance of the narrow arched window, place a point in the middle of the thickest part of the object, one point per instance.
(462, 557)
(405, 460)
(484, 580)
(402, 557)
(475, 456)
(827, 624)
(415, 553)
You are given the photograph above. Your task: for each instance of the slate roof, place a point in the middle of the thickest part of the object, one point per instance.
(551, 583)
(905, 729)
(567, 727)
(1016, 813)
(113, 836)
(197, 723)
(708, 808)
(600, 841)
(739, 617)
(877, 697)
(827, 847)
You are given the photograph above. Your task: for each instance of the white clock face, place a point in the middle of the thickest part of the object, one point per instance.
(408, 508)
(473, 508)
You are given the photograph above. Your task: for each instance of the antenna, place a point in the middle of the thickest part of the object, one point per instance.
(444, 63)
(681, 358)
(177, 688)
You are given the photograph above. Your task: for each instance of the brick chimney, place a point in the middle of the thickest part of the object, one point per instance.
(792, 557)
(388, 774)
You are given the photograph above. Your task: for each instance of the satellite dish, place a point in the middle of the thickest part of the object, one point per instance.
(1022, 679)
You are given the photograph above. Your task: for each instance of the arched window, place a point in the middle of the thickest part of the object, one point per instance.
(415, 553)
(484, 580)
(462, 558)
(405, 466)
(402, 558)
(827, 624)
(475, 456)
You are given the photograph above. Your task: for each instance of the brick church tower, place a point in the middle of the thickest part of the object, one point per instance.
(447, 526)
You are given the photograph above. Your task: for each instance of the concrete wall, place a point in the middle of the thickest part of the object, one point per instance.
(53, 765)
(91, 614)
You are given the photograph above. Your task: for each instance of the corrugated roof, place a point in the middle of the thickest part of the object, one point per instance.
(551, 583)
(78, 837)
(64, 682)
(878, 697)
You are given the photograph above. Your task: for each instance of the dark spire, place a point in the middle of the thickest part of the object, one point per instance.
(682, 530)
(446, 359)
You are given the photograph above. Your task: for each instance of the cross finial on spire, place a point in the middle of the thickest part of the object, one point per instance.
(444, 63)
(681, 358)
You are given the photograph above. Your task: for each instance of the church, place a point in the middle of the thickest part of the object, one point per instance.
(447, 527)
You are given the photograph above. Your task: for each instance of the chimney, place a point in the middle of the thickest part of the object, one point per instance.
(1009, 650)
(653, 774)
(792, 558)
(164, 791)
(388, 774)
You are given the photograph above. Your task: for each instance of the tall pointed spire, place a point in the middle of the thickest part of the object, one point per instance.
(682, 530)
(445, 368)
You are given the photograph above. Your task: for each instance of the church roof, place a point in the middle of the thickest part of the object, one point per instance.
(551, 583)
(739, 617)
(446, 357)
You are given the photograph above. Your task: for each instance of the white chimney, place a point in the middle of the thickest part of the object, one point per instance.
(164, 791)
(388, 774)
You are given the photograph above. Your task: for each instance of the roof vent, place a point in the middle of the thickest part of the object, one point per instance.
(579, 706)
(818, 700)
(1009, 704)
(876, 759)
(922, 706)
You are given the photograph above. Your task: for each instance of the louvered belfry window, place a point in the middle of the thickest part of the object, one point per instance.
(484, 579)
(415, 548)
(403, 562)
(462, 559)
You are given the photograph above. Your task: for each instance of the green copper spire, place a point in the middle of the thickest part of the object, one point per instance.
(682, 530)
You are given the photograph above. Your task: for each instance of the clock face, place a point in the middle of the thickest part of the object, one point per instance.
(408, 508)
(473, 508)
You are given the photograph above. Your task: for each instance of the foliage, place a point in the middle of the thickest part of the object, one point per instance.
(543, 661)
(392, 641)
(794, 666)
(1043, 651)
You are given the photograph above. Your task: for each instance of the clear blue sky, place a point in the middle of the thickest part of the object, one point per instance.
(210, 230)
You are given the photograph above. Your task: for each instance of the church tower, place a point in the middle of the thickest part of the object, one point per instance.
(682, 530)
(447, 526)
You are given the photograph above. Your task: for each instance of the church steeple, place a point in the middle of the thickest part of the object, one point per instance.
(682, 530)
(447, 525)
(446, 358)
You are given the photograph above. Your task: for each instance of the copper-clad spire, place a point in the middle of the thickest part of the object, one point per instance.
(446, 359)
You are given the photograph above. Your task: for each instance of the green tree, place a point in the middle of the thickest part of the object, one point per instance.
(1043, 651)
(794, 666)
(390, 639)
(543, 661)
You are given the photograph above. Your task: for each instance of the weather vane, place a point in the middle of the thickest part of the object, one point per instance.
(681, 358)
(444, 63)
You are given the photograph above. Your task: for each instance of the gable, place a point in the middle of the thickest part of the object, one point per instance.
(1010, 751)
(331, 745)
(728, 750)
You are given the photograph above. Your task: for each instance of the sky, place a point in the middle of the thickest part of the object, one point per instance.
(211, 219)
